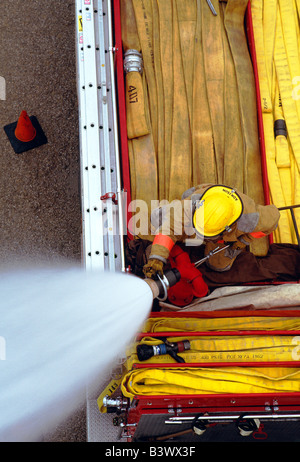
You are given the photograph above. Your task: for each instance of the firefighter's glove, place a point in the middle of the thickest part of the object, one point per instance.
(235, 249)
(153, 267)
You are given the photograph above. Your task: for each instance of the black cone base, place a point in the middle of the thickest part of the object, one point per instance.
(21, 146)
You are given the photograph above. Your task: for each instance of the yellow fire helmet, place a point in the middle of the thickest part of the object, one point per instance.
(218, 208)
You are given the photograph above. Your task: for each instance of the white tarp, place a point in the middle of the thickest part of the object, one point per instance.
(245, 297)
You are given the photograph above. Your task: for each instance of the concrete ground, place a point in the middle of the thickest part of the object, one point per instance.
(40, 215)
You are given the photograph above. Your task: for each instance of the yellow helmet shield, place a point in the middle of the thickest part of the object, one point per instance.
(218, 208)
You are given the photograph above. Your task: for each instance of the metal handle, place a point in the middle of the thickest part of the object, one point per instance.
(221, 418)
(165, 285)
(213, 252)
(211, 6)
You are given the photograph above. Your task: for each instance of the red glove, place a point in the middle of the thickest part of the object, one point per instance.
(191, 283)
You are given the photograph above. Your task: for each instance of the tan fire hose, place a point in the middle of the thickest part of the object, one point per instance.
(199, 132)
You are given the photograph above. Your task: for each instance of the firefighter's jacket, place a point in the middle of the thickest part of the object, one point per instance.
(173, 223)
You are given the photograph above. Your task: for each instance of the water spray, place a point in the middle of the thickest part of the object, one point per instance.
(55, 325)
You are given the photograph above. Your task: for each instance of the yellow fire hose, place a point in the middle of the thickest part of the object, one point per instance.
(214, 348)
(218, 349)
(197, 381)
(276, 33)
(194, 324)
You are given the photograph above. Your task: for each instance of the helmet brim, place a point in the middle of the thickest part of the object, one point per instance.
(237, 209)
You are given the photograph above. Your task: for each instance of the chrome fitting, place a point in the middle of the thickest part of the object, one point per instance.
(117, 403)
(133, 61)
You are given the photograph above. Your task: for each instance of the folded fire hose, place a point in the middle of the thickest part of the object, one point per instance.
(186, 381)
(226, 323)
(189, 95)
(194, 64)
(276, 30)
(187, 349)
(167, 362)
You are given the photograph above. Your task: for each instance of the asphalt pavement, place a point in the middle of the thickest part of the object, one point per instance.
(40, 215)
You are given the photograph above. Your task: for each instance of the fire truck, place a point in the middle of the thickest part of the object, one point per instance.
(158, 48)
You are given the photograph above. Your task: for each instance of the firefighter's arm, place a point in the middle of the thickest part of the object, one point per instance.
(168, 232)
(268, 221)
(160, 251)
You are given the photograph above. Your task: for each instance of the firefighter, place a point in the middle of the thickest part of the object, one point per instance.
(214, 215)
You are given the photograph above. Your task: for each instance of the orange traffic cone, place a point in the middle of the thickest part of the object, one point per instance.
(25, 134)
(25, 131)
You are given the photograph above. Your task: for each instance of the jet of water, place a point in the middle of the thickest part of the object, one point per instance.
(60, 328)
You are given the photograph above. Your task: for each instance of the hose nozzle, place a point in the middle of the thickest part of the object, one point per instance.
(145, 351)
(161, 285)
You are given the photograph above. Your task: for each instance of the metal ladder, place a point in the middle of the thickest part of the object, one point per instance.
(101, 194)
